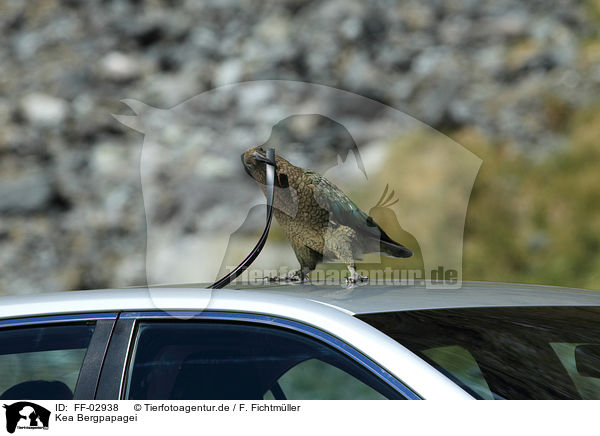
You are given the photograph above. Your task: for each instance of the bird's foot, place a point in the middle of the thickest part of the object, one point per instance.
(298, 276)
(293, 277)
(354, 278)
(357, 279)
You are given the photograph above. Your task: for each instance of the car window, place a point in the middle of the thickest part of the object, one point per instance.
(506, 352)
(460, 363)
(314, 379)
(241, 361)
(42, 362)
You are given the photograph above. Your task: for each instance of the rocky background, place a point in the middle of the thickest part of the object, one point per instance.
(515, 81)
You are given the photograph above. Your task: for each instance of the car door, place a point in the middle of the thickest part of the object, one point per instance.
(218, 355)
(53, 357)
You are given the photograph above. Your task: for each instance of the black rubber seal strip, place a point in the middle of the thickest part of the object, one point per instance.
(270, 169)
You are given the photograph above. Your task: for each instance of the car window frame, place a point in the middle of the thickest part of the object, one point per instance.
(89, 376)
(113, 378)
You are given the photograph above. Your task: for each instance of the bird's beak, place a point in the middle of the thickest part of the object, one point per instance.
(256, 155)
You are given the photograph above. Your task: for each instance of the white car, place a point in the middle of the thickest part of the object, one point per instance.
(488, 341)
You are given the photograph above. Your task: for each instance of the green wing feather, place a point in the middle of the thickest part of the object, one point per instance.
(345, 212)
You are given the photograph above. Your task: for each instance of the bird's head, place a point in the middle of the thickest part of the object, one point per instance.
(254, 160)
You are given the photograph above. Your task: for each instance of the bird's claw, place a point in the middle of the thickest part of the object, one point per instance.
(356, 279)
(293, 276)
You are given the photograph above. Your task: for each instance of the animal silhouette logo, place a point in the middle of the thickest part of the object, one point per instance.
(27, 415)
(197, 196)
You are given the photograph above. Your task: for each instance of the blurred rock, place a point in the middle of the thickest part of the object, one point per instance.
(228, 72)
(110, 161)
(44, 110)
(25, 193)
(119, 67)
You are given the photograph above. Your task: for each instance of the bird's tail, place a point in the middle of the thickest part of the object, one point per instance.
(393, 249)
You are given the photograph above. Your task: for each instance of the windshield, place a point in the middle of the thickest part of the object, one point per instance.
(506, 353)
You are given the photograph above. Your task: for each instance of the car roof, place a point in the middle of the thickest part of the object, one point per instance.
(358, 300)
(387, 298)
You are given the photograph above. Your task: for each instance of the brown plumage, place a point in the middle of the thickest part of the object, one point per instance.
(318, 219)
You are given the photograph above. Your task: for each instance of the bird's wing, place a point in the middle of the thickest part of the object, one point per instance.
(342, 210)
